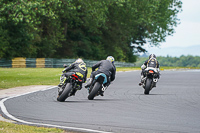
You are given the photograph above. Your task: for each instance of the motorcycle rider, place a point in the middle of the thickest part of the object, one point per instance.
(79, 67)
(104, 66)
(151, 62)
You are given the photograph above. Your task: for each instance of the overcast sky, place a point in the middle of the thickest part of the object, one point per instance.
(188, 32)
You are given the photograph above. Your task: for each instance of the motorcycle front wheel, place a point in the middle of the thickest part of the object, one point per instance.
(65, 93)
(147, 86)
(94, 91)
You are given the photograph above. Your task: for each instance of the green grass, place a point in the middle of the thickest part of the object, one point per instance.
(6, 127)
(13, 77)
(128, 68)
(178, 68)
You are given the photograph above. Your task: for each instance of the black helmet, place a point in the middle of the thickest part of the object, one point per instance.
(152, 56)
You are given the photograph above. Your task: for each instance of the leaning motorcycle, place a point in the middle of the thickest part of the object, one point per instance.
(98, 86)
(150, 79)
(70, 86)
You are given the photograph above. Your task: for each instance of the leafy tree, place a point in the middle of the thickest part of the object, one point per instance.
(84, 28)
(29, 27)
(4, 43)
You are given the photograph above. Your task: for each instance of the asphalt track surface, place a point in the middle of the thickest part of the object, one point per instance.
(173, 106)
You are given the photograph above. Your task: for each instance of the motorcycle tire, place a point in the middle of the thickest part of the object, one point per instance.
(94, 91)
(65, 93)
(147, 86)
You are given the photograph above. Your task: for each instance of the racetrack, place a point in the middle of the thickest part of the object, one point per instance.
(173, 106)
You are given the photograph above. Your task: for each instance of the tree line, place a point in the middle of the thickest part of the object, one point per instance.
(182, 61)
(91, 29)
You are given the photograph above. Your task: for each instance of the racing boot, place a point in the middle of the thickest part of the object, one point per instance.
(60, 90)
(101, 93)
(73, 92)
(88, 83)
(142, 80)
(154, 85)
(62, 80)
(60, 84)
(79, 87)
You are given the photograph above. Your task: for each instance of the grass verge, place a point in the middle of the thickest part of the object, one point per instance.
(14, 77)
(6, 127)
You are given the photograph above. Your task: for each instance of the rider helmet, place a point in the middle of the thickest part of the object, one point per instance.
(110, 58)
(152, 56)
(79, 60)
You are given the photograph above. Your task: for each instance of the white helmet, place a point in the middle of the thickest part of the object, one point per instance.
(79, 60)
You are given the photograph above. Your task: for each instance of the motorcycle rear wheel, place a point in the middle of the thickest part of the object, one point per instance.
(65, 94)
(94, 91)
(147, 86)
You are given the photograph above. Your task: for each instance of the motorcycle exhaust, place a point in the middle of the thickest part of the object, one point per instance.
(103, 88)
(155, 80)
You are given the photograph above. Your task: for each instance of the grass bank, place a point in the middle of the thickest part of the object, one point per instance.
(6, 127)
(13, 77)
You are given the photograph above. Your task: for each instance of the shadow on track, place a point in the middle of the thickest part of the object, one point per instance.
(154, 94)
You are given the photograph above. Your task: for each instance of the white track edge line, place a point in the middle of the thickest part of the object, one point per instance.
(4, 110)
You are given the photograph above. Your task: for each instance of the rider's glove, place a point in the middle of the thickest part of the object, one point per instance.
(63, 71)
(143, 66)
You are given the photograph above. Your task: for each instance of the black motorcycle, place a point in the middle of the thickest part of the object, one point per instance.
(70, 86)
(98, 86)
(150, 79)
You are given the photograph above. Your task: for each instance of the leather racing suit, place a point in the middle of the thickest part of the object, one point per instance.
(152, 62)
(79, 68)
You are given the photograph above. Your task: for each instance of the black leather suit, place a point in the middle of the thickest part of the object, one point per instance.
(77, 68)
(106, 67)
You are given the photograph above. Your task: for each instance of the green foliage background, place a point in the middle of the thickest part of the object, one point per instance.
(91, 29)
